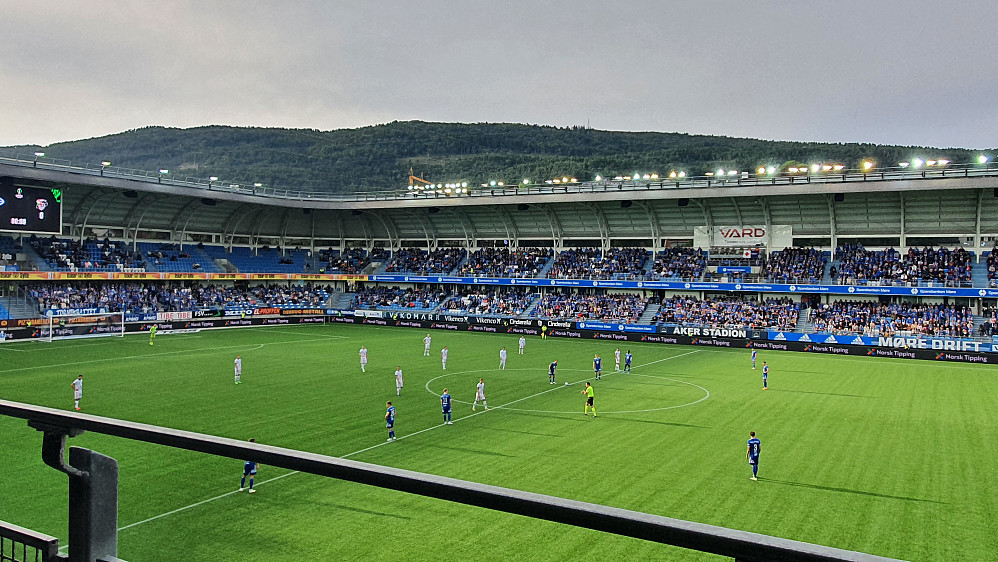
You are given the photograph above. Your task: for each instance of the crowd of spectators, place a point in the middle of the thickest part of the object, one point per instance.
(421, 262)
(594, 263)
(679, 263)
(859, 265)
(992, 263)
(796, 265)
(158, 297)
(485, 302)
(626, 308)
(503, 262)
(301, 296)
(871, 318)
(91, 254)
(776, 313)
(350, 260)
(398, 297)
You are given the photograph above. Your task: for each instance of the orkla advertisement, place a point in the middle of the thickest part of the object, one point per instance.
(740, 235)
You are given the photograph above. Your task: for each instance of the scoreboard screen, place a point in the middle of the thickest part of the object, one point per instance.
(30, 209)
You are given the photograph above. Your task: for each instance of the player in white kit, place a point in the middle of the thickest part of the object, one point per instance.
(77, 390)
(426, 346)
(523, 344)
(480, 395)
(398, 381)
(502, 359)
(238, 363)
(363, 359)
(443, 357)
(616, 359)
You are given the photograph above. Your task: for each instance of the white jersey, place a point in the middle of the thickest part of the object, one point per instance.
(363, 356)
(239, 366)
(523, 342)
(443, 355)
(78, 388)
(616, 355)
(398, 378)
(481, 391)
(426, 342)
(502, 355)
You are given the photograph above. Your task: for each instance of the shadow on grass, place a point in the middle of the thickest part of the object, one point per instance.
(848, 491)
(469, 450)
(616, 418)
(366, 511)
(520, 431)
(823, 393)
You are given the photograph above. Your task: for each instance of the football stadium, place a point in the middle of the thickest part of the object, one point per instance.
(767, 365)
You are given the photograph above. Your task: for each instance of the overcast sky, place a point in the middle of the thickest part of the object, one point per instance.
(887, 71)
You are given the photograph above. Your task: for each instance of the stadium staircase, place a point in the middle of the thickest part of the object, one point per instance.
(648, 316)
(535, 300)
(802, 323)
(979, 271)
(342, 301)
(547, 266)
(826, 277)
(36, 262)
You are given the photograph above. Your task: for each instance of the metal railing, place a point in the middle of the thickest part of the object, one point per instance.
(18, 544)
(201, 185)
(740, 545)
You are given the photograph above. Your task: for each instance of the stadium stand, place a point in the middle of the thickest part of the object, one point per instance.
(395, 298)
(90, 255)
(488, 303)
(262, 260)
(871, 318)
(421, 262)
(594, 263)
(572, 306)
(857, 265)
(776, 313)
(796, 265)
(350, 260)
(686, 264)
(503, 262)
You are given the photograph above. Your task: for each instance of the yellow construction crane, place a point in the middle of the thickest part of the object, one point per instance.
(420, 183)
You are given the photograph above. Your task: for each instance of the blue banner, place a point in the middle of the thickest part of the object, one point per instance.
(698, 286)
(734, 269)
(903, 342)
(75, 311)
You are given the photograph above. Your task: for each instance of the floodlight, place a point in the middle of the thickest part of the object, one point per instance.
(983, 159)
(942, 162)
(213, 178)
(761, 170)
(930, 162)
(164, 171)
(904, 164)
(826, 168)
(917, 162)
(838, 167)
(654, 176)
(39, 154)
(815, 168)
(682, 174)
(599, 177)
(720, 172)
(732, 172)
(105, 163)
(867, 165)
(771, 170)
(672, 174)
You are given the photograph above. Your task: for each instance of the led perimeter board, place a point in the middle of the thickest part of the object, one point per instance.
(30, 209)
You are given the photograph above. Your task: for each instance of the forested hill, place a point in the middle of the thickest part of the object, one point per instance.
(379, 157)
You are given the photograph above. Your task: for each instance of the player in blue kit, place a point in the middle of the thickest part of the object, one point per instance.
(390, 420)
(598, 366)
(249, 469)
(765, 375)
(551, 369)
(752, 454)
(627, 361)
(445, 407)
(753, 358)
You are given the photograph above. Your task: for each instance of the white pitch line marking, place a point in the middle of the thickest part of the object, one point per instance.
(372, 447)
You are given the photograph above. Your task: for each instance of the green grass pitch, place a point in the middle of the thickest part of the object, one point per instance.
(891, 457)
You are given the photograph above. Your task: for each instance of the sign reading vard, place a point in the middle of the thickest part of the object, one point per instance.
(740, 235)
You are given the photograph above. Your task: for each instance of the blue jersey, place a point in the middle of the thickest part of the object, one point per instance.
(753, 448)
(390, 416)
(765, 371)
(445, 402)
(249, 467)
(627, 358)
(598, 364)
(753, 354)
(552, 367)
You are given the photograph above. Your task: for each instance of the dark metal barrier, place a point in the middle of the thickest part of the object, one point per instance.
(18, 544)
(740, 545)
